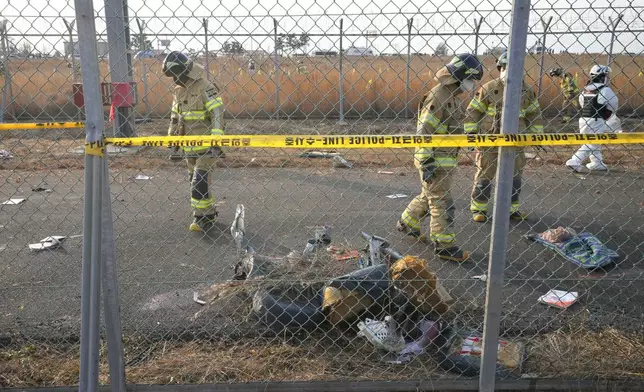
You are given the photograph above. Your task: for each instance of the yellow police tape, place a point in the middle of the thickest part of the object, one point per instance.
(40, 125)
(383, 141)
(95, 148)
(343, 142)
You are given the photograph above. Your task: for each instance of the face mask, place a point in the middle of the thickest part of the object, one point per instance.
(467, 85)
(503, 73)
(181, 80)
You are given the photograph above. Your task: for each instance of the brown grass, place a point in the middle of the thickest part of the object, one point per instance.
(576, 354)
(372, 86)
(608, 353)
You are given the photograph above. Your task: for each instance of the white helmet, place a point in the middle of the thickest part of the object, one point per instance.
(597, 70)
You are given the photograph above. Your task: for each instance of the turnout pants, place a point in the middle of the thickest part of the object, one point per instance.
(486, 161)
(202, 200)
(434, 200)
(569, 107)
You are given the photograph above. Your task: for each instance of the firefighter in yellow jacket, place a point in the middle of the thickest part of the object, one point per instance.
(570, 93)
(197, 109)
(440, 114)
(483, 115)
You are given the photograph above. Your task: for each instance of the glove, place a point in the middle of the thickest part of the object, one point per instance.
(429, 170)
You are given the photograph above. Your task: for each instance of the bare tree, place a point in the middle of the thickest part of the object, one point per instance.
(441, 49)
(26, 49)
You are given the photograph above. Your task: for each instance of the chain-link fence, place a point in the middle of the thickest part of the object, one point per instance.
(349, 244)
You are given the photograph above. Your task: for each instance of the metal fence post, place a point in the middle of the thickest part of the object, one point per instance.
(9, 106)
(477, 28)
(70, 30)
(144, 69)
(207, 54)
(410, 23)
(120, 60)
(502, 194)
(7, 91)
(110, 288)
(277, 69)
(144, 79)
(613, 27)
(5, 69)
(90, 299)
(545, 25)
(341, 91)
(72, 61)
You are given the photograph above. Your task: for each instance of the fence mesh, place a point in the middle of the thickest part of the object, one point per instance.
(288, 293)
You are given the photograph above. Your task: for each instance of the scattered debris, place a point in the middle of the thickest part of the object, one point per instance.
(3, 247)
(12, 202)
(583, 249)
(559, 298)
(5, 154)
(343, 254)
(482, 278)
(295, 306)
(143, 177)
(339, 161)
(382, 334)
(318, 154)
(49, 243)
(420, 286)
(429, 330)
(347, 297)
(510, 355)
(385, 172)
(530, 155)
(41, 189)
(195, 297)
(237, 227)
(322, 238)
(378, 251)
(559, 235)
(397, 196)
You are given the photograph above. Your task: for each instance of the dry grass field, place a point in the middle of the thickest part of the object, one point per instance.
(372, 86)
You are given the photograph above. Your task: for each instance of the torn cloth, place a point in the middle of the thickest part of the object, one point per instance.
(583, 249)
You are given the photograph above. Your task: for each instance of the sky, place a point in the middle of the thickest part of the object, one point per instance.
(577, 26)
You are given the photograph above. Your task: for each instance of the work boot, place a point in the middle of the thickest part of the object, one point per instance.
(479, 216)
(451, 253)
(596, 166)
(574, 164)
(518, 216)
(176, 154)
(201, 224)
(403, 228)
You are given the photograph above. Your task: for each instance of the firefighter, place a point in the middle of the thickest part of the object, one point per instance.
(439, 113)
(197, 109)
(483, 115)
(598, 104)
(570, 93)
